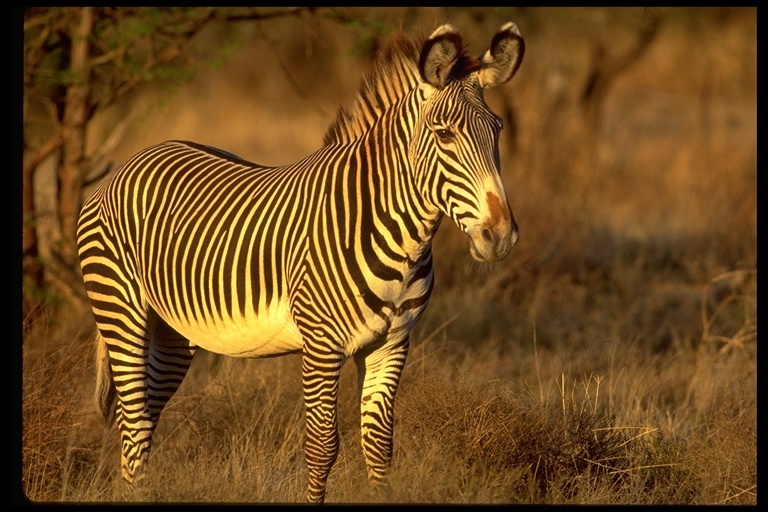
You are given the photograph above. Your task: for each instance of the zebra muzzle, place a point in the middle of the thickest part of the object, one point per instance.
(489, 243)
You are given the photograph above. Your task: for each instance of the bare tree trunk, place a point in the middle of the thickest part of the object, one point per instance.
(606, 68)
(71, 173)
(33, 270)
(30, 265)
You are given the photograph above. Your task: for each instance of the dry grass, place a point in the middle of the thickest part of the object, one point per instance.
(492, 421)
(628, 434)
(611, 359)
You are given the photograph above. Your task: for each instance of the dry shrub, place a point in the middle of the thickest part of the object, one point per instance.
(723, 456)
(53, 412)
(543, 448)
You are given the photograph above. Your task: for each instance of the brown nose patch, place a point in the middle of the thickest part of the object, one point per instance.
(496, 208)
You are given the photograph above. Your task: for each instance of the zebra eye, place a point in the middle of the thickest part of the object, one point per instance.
(445, 135)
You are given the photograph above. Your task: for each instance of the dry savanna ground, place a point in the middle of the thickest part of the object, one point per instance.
(610, 359)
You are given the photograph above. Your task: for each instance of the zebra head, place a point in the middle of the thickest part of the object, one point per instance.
(455, 148)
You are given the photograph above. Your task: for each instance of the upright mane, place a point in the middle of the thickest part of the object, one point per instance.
(395, 72)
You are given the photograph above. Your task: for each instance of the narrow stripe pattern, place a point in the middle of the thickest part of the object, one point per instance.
(187, 246)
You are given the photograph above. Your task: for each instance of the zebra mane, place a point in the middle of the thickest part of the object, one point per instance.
(395, 72)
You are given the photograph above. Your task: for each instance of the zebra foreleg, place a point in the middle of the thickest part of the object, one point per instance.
(379, 374)
(320, 378)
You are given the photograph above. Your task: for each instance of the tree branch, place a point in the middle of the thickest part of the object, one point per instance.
(256, 16)
(99, 158)
(606, 68)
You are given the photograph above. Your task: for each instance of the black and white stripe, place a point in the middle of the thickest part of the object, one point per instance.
(188, 246)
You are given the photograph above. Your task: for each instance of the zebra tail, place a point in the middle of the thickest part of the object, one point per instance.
(106, 394)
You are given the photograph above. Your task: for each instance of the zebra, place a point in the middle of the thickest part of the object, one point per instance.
(187, 246)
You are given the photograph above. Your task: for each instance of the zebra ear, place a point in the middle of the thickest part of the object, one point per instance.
(500, 62)
(439, 54)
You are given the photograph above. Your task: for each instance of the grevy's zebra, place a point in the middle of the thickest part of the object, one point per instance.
(188, 246)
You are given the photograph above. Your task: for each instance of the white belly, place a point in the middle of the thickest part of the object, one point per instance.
(271, 332)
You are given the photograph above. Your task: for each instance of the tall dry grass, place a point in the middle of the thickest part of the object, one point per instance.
(475, 425)
(611, 359)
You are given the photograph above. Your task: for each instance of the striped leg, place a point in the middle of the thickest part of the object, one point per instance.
(124, 323)
(170, 357)
(320, 378)
(128, 347)
(379, 373)
(148, 361)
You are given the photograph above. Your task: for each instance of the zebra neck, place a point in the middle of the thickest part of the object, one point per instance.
(391, 204)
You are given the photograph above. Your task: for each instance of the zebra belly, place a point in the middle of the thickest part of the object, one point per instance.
(271, 332)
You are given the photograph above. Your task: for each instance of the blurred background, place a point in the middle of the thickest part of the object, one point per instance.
(629, 157)
(638, 125)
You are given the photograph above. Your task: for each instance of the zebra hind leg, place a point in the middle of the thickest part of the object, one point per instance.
(170, 357)
(126, 344)
(147, 364)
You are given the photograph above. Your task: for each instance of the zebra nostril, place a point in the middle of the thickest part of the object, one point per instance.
(487, 235)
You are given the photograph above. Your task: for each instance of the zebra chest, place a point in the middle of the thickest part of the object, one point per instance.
(391, 310)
